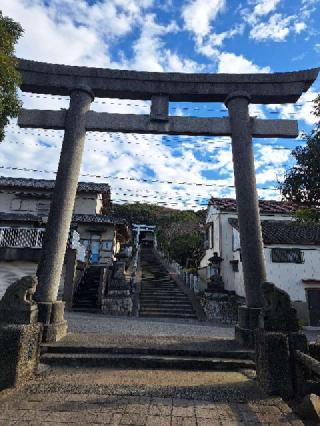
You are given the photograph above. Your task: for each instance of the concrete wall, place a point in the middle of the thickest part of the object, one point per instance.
(289, 276)
(11, 203)
(87, 204)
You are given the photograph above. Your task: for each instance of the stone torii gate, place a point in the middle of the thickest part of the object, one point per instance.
(82, 84)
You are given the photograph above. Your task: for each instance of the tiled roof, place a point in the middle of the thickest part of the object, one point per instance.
(20, 217)
(287, 232)
(266, 206)
(76, 218)
(23, 183)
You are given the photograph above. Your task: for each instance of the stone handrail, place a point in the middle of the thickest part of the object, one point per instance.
(192, 281)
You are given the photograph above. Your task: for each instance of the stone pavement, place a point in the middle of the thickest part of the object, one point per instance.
(143, 398)
(83, 409)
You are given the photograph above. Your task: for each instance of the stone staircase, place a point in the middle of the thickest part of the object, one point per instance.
(86, 296)
(160, 296)
(152, 357)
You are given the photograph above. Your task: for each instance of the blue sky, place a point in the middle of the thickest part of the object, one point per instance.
(182, 36)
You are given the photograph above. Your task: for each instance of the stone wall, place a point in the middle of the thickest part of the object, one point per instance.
(118, 302)
(221, 307)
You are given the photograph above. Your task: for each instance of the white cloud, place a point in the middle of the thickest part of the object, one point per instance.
(299, 27)
(276, 29)
(317, 47)
(198, 15)
(263, 7)
(151, 53)
(209, 45)
(62, 32)
(260, 9)
(302, 110)
(232, 63)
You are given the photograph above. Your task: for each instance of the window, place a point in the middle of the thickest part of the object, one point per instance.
(212, 235)
(16, 204)
(235, 265)
(43, 207)
(284, 255)
(107, 245)
(235, 239)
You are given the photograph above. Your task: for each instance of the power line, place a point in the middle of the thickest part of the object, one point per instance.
(212, 143)
(25, 169)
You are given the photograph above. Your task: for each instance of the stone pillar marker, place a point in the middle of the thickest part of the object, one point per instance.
(248, 214)
(51, 312)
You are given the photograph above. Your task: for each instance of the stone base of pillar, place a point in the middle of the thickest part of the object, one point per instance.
(51, 315)
(248, 322)
(277, 373)
(19, 353)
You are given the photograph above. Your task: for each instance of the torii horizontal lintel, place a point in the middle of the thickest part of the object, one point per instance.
(132, 123)
(285, 87)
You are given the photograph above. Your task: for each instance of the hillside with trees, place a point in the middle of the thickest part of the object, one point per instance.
(179, 232)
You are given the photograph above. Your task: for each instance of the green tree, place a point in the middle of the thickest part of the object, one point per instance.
(10, 32)
(302, 181)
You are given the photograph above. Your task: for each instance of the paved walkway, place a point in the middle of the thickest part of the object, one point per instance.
(143, 398)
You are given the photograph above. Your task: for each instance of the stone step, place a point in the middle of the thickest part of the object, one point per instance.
(161, 291)
(160, 287)
(89, 309)
(159, 284)
(170, 304)
(166, 295)
(155, 311)
(163, 306)
(167, 315)
(145, 361)
(150, 350)
(163, 297)
(163, 294)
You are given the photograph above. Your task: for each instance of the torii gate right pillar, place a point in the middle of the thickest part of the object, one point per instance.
(253, 262)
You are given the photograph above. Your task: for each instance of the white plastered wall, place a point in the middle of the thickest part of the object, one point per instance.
(89, 203)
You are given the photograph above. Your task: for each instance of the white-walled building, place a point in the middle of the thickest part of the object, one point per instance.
(291, 250)
(25, 203)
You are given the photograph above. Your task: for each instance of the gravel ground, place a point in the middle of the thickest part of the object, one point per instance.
(97, 323)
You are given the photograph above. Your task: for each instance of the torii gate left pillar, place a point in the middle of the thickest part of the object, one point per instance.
(51, 311)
